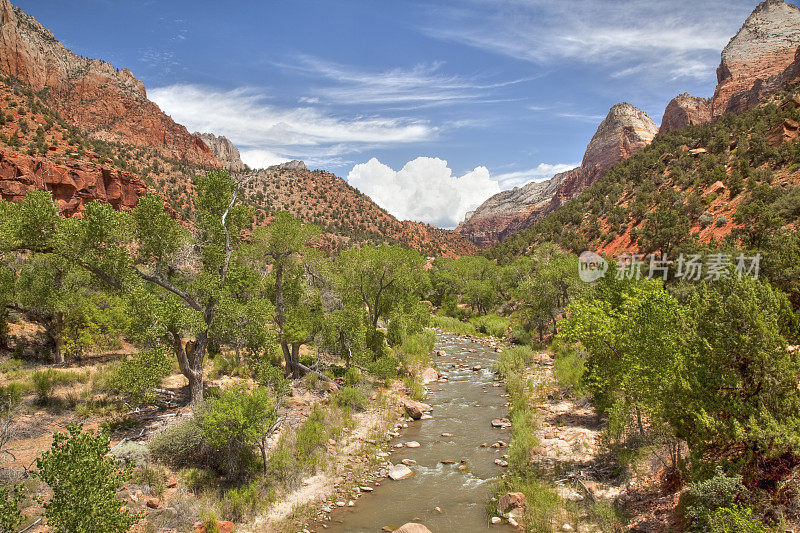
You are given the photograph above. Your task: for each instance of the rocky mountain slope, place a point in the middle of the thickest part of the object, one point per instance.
(347, 215)
(104, 102)
(734, 179)
(86, 131)
(623, 132)
(224, 150)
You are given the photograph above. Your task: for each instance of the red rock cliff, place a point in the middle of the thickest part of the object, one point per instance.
(73, 183)
(106, 103)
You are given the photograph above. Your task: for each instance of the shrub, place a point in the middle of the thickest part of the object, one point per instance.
(453, 325)
(520, 336)
(135, 378)
(132, 453)
(417, 347)
(514, 360)
(493, 325)
(44, 383)
(385, 367)
(181, 445)
(10, 399)
(396, 330)
(352, 376)
(10, 515)
(706, 219)
(235, 421)
(722, 220)
(239, 503)
(415, 389)
(705, 498)
(568, 366)
(271, 377)
(310, 437)
(77, 464)
(197, 479)
(350, 398)
(152, 476)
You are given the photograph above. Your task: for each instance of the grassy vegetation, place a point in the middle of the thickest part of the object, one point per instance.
(453, 325)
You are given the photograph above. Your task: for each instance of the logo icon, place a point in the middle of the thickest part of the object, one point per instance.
(591, 266)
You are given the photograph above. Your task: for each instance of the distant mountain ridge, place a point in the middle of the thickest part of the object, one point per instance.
(623, 132)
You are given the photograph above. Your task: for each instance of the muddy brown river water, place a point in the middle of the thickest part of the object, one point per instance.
(464, 406)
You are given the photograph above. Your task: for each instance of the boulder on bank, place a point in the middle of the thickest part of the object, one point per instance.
(415, 409)
(510, 501)
(429, 375)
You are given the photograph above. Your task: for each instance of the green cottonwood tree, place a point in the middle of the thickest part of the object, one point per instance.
(278, 250)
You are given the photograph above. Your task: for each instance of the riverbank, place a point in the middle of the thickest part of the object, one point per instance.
(560, 477)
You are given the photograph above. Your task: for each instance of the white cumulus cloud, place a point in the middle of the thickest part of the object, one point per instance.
(425, 189)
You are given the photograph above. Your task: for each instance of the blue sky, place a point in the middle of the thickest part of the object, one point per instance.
(429, 107)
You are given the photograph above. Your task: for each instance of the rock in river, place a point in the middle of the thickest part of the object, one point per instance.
(399, 472)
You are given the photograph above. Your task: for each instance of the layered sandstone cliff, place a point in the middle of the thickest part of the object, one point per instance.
(762, 49)
(105, 102)
(762, 58)
(224, 150)
(623, 132)
(685, 110)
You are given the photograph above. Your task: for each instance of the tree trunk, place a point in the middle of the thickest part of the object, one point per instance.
(58, 344)
(296, 370)
(287, 357)
(190, 361)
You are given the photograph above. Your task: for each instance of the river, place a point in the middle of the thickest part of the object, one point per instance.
(464, 406)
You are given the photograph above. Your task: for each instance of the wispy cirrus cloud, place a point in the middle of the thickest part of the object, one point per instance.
(669, 40)
(421, 85)
(542, 171)
(265, 132)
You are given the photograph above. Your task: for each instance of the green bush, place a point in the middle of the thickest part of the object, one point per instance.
(350, 398)
(416, 390)
(385, 367)
(568, 366)
(77, 464)
(44, 383)
(197, 479)
(10, 515)
(735, 519)
(352, 376)
(182, 445)
(493, 325)
(135, 378)
(235, 421)
(239, 503)
(271, 377)
(514, 360)
(417, 347)
(715, 502)
(453, 325)
(152, 476)
(520, 336)
(396, 330)
(311, 436)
